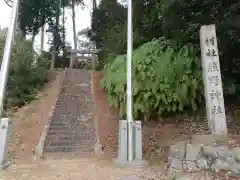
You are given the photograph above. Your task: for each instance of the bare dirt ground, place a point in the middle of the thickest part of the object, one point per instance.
(29, 121)
(80, 169)
(107, 119)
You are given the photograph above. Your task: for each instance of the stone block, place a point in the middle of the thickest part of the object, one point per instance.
(138, 140)
(227, 155)
(213, 151)
(174, 167)
(122, 149)
(182, 165)
(192, 152)
(235, 168)
(210, 139)
(184, 157)
(4, 134)
(185, 151)
(219, 165)
(190, 166)
(236, 152)
(202, 163)
(177, 150)
(175, 164)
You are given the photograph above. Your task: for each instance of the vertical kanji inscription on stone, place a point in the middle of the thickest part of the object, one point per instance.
(212, 80)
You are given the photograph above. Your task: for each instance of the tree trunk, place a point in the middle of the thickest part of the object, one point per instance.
(42, 34)
(23, 35)
(93, 62)
(42, 39)
(64, 35)
(53, 59)
(20, 33)
(33, 50)
(74, 25)
(74, 34)
(33, 39)
(56, 31)
(42, 31)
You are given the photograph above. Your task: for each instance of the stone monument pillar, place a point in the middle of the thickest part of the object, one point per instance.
(212, 81)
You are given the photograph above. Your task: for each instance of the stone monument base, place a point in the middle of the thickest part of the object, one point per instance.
(5, 165)
(136, 130)
(133, 163)
(4, 135)
(204, 153)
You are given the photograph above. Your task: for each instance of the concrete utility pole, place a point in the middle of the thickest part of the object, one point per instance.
(7, 53)
(130, 130)
(129, 81)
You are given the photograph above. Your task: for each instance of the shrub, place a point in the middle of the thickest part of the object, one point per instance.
(25, 78)
(166, 79)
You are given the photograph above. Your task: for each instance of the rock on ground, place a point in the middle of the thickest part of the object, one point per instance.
(214, 153)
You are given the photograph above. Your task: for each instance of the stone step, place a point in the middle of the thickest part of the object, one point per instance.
(79, 96)
(74, 125)
(67, 132)
(68, 156)
(73, 109)
(71, 124)
(68, 90)
(71, 128)
(80, 143)
(69, 137)
(68, 105)
(74, 149)
(70, 120)
(74, 101)
(63, 121)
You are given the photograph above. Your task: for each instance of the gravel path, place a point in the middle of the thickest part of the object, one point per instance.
(81, 169)
(89, 169)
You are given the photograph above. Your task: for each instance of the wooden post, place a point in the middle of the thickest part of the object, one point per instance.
(93, 62)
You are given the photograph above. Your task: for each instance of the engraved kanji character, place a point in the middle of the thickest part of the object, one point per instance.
(211, 52)
(214, 80)
(213, 66)
(215, 94)
(210, 40)
(216, 109)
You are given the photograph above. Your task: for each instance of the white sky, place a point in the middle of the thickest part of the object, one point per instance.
(83, 18)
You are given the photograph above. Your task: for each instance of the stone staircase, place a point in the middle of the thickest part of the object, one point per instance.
(72, 126)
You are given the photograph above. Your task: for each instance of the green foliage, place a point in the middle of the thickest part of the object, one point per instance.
(108, 29)
(109, 26)
(167, 78)
(182, 20)
(25, 78)
(34, 13)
